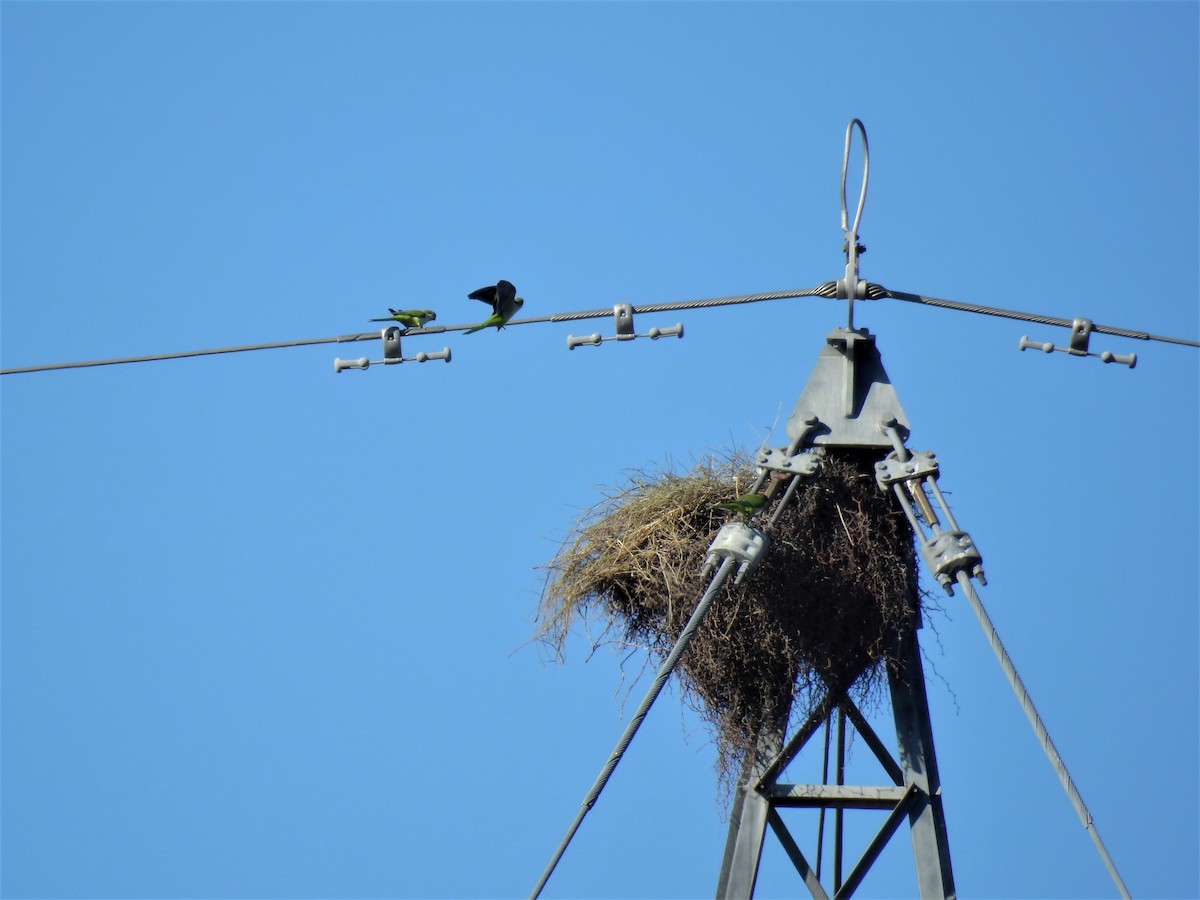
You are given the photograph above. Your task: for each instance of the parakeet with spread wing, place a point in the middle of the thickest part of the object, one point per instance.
(502, 297)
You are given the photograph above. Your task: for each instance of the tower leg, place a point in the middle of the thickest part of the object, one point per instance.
(915, 792)
(747, 823)
(914, 736)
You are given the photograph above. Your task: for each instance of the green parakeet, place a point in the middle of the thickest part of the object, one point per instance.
(409, 318)
(747, 504)
(502, 297)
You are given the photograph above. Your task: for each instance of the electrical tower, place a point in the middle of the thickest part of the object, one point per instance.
(849, 404)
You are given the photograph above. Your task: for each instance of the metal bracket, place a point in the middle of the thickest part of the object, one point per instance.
(741, 542)
(921, 463)
(804, 463)
(1081, 333)
(392, 353)
(623, 321)
(847, 395)
(947, 552)
(913, 478)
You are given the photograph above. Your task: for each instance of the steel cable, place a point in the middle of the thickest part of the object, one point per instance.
(877, 292)
(660, 679)
(1039, 728)
(827, 289)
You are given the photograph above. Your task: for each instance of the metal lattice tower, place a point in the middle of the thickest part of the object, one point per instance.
(849, 403)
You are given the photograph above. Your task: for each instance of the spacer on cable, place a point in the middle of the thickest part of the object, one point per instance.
(744, 543)
(947, 553)
(623, 317)
(1081, 331)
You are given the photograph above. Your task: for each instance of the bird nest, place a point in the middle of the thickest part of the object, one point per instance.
(823, 608)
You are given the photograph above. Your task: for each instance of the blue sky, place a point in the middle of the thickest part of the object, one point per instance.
(265, 629)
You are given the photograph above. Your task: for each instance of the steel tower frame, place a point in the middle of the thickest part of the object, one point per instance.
(849, 403)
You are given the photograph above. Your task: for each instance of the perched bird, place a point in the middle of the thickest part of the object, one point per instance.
(747, 504)
(502, 297)
(409, 318)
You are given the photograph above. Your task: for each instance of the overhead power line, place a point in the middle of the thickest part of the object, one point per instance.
(827, 289)
(822, 290)
(1022, 316)
(183, 355)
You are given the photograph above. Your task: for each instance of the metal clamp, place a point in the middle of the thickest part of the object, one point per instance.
(806, 462)
(741, 542)
(920, 463)
(946, 549)
(623, 321)
(392, 353)
(946, 552)
(1081, 333)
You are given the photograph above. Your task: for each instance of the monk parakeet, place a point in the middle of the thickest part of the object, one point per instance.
(504, 302)
(747, 504)
(409, 318)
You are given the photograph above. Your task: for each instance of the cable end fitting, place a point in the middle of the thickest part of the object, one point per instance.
(743, 543)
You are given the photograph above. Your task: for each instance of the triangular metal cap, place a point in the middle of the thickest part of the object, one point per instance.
(848, 400)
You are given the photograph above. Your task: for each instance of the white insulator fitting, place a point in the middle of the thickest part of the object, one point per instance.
(742, 542)
(425, 357)
(1109, 357)
(1027, 344)
(361, 363)
(573, 342)
(655, 333)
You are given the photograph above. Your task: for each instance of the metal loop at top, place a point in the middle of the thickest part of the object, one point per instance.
(862, 197)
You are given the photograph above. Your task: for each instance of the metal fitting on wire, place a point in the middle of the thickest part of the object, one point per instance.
(391, 353)
(623, 322)
(744, 543)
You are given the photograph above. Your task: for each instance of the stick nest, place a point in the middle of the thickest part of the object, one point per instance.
(823, 607)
